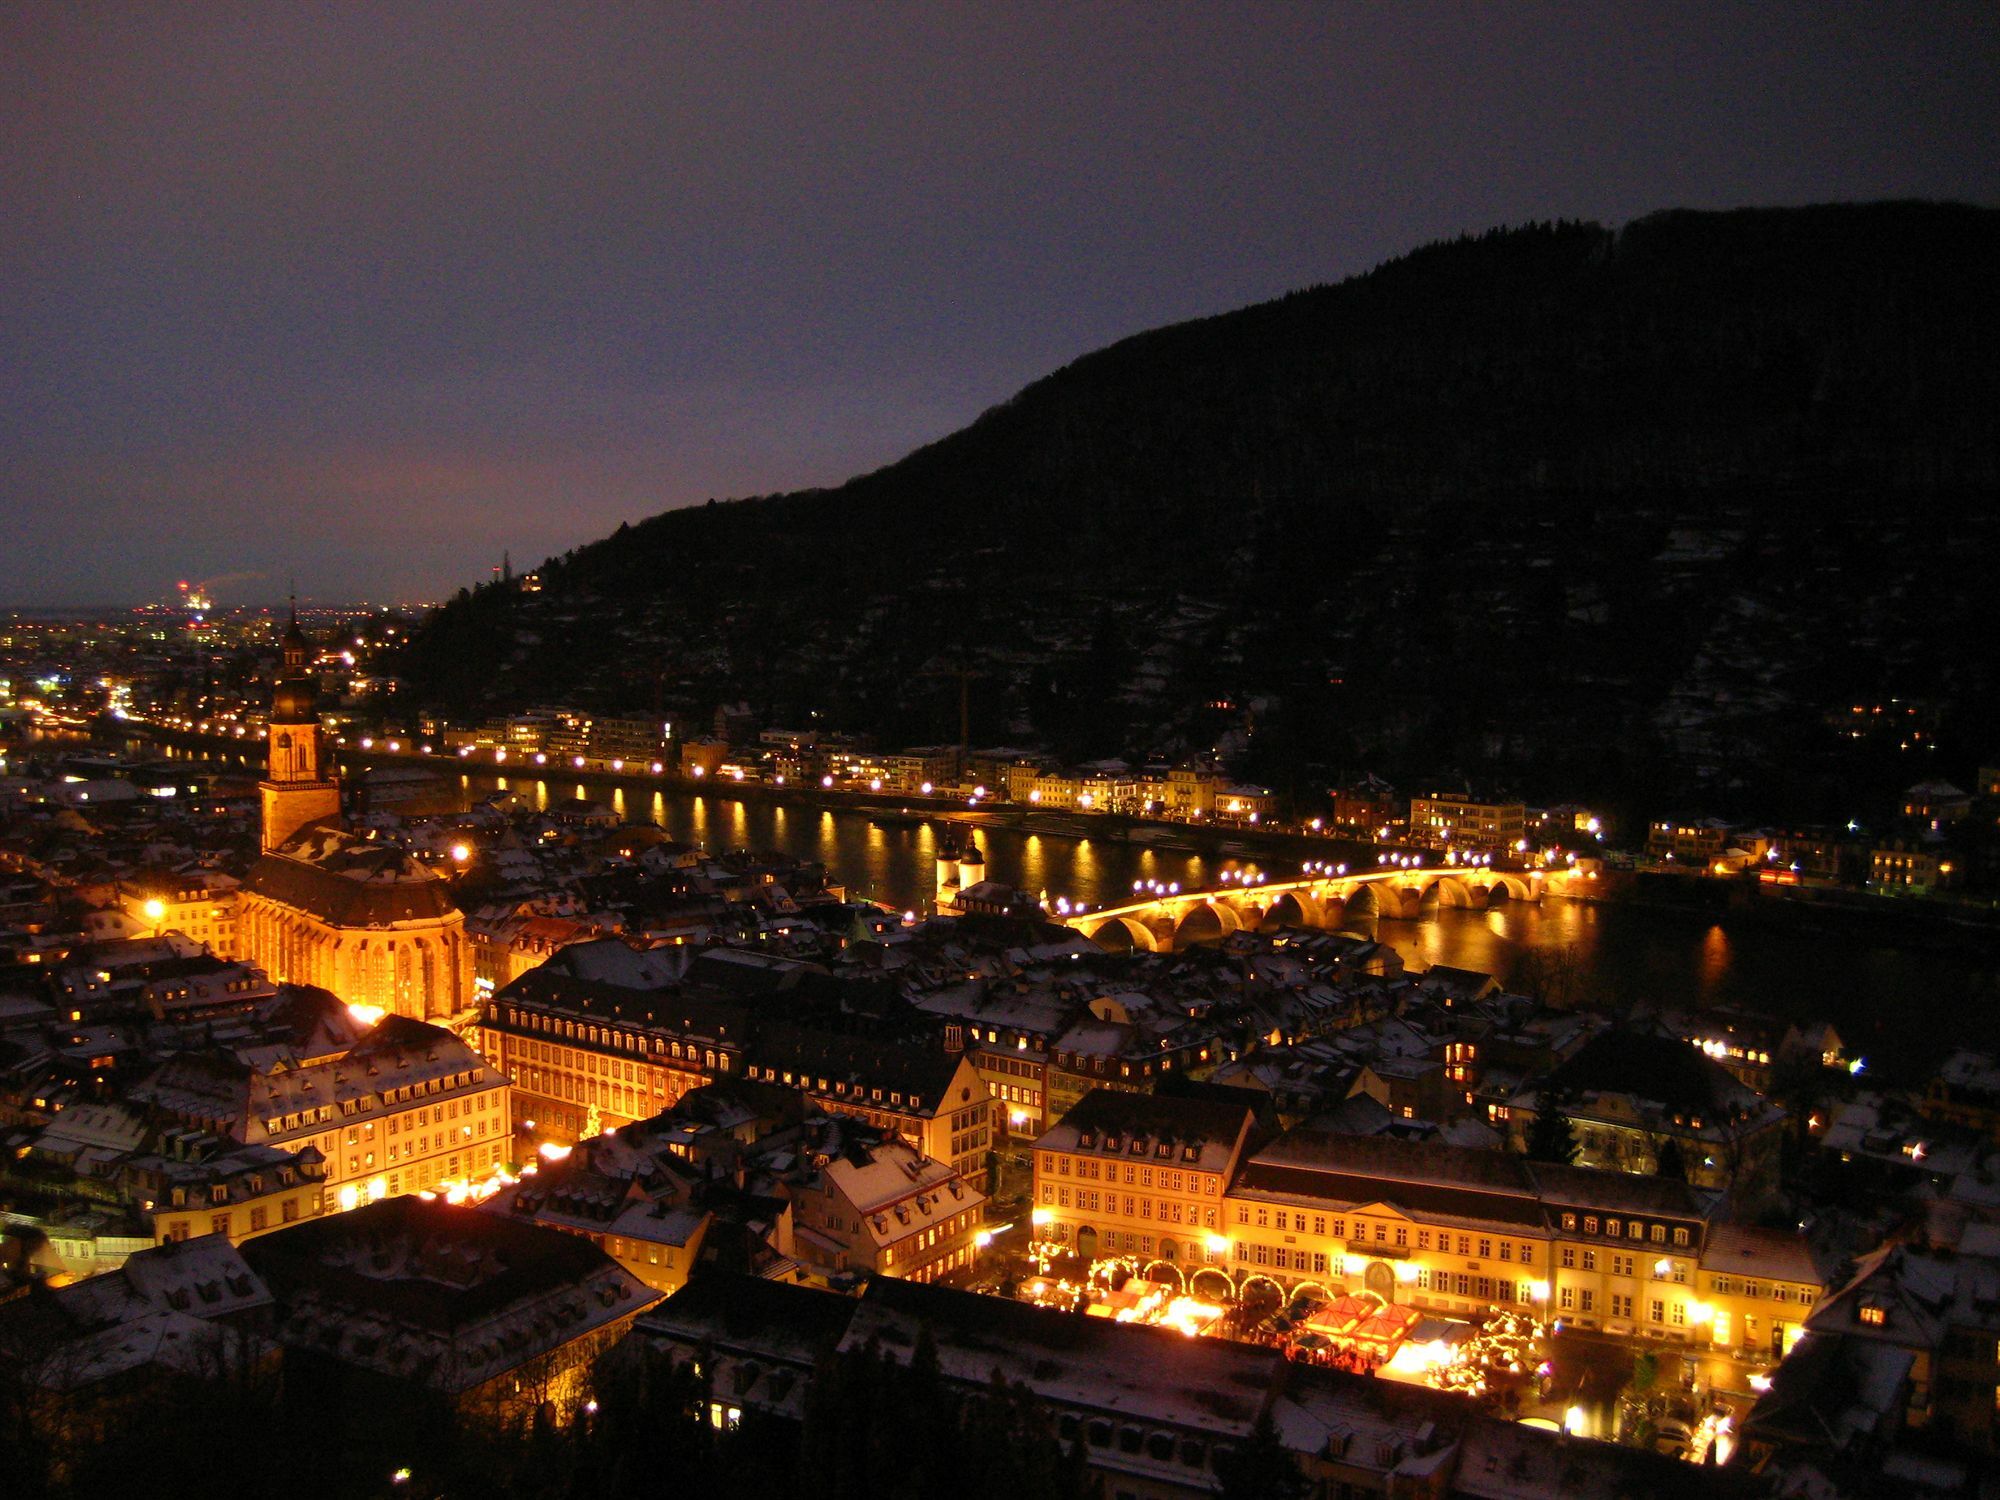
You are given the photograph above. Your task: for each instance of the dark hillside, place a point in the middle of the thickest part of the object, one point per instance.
(1564, 507)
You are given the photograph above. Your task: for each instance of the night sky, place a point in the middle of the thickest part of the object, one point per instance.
(365, 293)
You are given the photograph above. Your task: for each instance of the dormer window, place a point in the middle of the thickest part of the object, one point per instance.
(1874, 1314)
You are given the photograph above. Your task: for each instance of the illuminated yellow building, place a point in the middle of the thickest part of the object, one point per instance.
(363, 920)
(324, 907)
(1451, 820)
(936, 1101)
(1436, 1227)
(628, 1194)
(198, 904)
(502, 1320)
(406, 1109)
(586, 1056)
(298, 786)
(1142, 1177)
(246, 1192)
(1760, 1284)
(887, 1209)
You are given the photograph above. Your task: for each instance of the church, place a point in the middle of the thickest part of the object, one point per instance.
(323, 906)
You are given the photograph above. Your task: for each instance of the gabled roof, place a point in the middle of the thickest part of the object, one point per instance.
(349, 882)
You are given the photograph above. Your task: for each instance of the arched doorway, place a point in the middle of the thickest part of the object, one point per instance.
(1380, 1278)
(1212, 1281)
(1086, 1242)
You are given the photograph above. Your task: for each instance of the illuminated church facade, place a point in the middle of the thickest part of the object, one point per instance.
(325, 907)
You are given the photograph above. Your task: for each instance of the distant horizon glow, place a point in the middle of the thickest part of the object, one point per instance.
(369, 298)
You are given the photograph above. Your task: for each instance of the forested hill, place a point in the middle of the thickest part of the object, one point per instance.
(1553, 505)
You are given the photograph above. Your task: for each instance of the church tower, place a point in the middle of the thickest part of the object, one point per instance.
(947, 872)
(298, 788)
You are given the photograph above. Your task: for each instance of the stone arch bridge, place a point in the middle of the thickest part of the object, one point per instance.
(1163, 923)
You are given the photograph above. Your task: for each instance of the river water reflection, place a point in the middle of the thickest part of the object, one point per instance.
(1902, 1000)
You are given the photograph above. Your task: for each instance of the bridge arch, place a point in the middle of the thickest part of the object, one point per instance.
(1124, 934)
(1204, 922)
(1500, 885)
(1294, 909)
(1450, 891)
(1386, 898)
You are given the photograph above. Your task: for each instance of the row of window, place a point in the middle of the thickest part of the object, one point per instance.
(1165, 1210)
(607, 1036)
(1055, 1165)
(908, 1249)
(260, 1220)
(1283, 1259)
(1465, 1284)
(1482, 1247)
(354, 1104)
(1729, 1286)
(840, 1088)
(1631, 1229)
(1131, 1242)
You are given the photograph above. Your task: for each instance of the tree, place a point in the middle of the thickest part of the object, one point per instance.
(1670, 1161)
(1552, 975)
(1262, 1468)
(1550, 1135)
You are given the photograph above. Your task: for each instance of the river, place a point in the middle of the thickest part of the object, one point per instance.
(1901, 999)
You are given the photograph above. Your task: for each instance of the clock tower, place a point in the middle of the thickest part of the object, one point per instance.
(298, 788)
